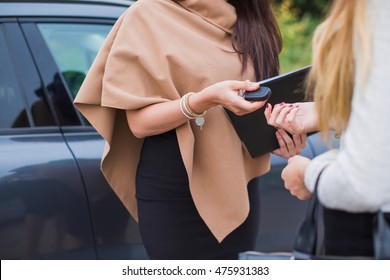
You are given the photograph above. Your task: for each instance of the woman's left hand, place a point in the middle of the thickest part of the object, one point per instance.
(289, 146)
(293, 175)
(295, 118)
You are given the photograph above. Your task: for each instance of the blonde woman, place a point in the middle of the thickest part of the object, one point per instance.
(349, 82)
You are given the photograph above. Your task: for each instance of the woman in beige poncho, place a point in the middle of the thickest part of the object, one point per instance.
(186, 181)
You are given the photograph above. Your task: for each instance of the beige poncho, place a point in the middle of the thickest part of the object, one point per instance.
(157, 51)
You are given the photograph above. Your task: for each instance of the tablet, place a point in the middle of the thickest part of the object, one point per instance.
(253, 130)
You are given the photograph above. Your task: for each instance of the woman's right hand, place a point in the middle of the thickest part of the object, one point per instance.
(164, 116)
(297, 118)
(226, 94)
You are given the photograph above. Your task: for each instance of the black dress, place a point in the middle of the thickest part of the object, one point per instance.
(170, 225)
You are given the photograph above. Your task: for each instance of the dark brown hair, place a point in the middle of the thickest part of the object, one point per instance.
(257, 37)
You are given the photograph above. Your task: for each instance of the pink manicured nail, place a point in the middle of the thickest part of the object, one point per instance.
(267, 105)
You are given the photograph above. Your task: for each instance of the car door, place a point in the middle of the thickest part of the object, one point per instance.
(43, 207)
(70, 46)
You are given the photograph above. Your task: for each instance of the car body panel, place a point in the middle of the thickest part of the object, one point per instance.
(111, 9)
(112, 233)
(43, 207)
(117, 234)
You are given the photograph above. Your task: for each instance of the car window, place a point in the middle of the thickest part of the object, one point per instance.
(74, 47)
(13, 111)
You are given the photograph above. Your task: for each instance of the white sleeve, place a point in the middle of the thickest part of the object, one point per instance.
(357, 177)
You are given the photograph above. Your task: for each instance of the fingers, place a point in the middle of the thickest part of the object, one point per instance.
(286, 145)
(301, 194)
(274, 114)
(282, 151)
(285, 116)
(284, 112)
(300, 142)
(293, 177)
(289, 145)
(229, 94)
(268, 112)
(277, 116)
(296, 126)
(292, 113)
(242, 107)
(243, 85)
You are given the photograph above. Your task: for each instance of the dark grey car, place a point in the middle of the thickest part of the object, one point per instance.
(54, 201)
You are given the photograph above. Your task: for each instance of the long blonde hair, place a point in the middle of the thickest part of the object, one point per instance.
(331, 79)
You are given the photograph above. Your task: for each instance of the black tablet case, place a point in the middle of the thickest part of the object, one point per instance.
(259, 137)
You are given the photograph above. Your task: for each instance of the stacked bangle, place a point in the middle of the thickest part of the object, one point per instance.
(189, 113)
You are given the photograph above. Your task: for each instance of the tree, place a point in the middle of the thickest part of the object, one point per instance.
(315, 8)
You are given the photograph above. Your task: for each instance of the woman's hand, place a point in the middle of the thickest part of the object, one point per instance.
(161, 117)
(295, 118)
(289, 146)
(227, 94)
(293, 175)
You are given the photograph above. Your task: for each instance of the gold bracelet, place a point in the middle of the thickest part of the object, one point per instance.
(188, 108)
(199, 118)
(183, 109)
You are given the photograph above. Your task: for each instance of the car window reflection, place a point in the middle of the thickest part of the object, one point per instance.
(74, 47)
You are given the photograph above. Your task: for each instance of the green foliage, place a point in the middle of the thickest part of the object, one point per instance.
(313, 8)
(297, 33)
